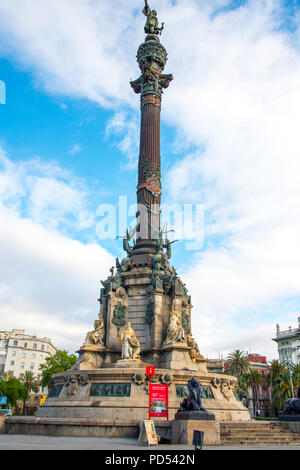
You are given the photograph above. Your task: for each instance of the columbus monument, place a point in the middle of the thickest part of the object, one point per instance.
(145, 307)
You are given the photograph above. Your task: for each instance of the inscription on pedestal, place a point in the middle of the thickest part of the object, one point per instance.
(182, 391)
(110, 390)
(55, 391)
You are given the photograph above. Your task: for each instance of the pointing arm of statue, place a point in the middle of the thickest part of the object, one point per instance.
(146, 10)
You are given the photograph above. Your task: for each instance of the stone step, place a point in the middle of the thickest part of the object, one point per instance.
(261, 433)
(257, 443)
(264, 437)
(258, 436)
(279, 430)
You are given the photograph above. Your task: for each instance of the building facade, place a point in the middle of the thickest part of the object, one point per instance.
(259, 399)
(288, 343)
(20, 352)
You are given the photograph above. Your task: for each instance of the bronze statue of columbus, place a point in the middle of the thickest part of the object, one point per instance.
(152, 25)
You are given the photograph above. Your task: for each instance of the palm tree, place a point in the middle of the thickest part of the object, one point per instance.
(243, 384)
(281, 389)
(6, 375)
(296, 375)
(239, 363)
(275, 371)
(30, 383)
(254, 379)
(276, 368)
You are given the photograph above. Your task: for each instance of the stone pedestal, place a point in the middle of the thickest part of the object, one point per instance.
(176, 356)
(183, 431)
(288, 417)
(195, 415)
(2, 424)
(131, 363)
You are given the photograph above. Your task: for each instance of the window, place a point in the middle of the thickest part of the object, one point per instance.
(15, 343)
(13, 354)
(43, 347)
(22, 365)
(23, 355)
(31, 366)
(34, 346)
(25, 345)
(33, 356)
(12, 363)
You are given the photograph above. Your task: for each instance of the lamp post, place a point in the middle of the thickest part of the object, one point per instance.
(289, 368)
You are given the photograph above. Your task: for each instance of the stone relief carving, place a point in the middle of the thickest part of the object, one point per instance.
(74, 382)
(166, 379)
(150, 311)
(215, 382)
(118, 319)
(72, 385)
(139, 378)
(226, 389)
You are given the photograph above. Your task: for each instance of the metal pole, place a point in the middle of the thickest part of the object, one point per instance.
(289, 368)
(149, 397)
(257, 401)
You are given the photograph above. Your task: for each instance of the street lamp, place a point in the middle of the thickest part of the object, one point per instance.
(289, 368)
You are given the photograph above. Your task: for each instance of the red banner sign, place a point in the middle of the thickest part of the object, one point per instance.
(158, 401)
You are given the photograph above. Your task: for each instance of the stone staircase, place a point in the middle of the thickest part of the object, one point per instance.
(258, 433)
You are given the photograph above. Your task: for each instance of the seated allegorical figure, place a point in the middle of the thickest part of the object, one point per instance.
(175, 331)
(194, 351)
(97, 336)
(130, 344)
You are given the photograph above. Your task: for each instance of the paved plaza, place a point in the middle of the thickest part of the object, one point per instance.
(31, 442)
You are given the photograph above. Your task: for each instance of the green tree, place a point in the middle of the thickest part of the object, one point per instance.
(296, 375)
(275, 369)
(243, 384)
(13, 390)
(254, 379)
(60, 362)
(281, 387)
(238, 363)
(6, 375)
(30, 383)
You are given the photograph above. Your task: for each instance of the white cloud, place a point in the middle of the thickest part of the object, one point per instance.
(235, 99)
(49, 283)
(76, 148)
(125, 129)
(45, 193)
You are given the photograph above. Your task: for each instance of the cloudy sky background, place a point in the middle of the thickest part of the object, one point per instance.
(230, 141)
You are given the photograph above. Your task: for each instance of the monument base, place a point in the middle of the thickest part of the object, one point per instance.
(288, 417)
(183, 431)
(122, 393)
(131, 363)
(199, 415)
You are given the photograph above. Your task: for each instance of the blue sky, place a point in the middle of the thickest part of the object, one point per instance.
(69, 135)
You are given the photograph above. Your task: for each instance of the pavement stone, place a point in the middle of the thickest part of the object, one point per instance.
(33, 442)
